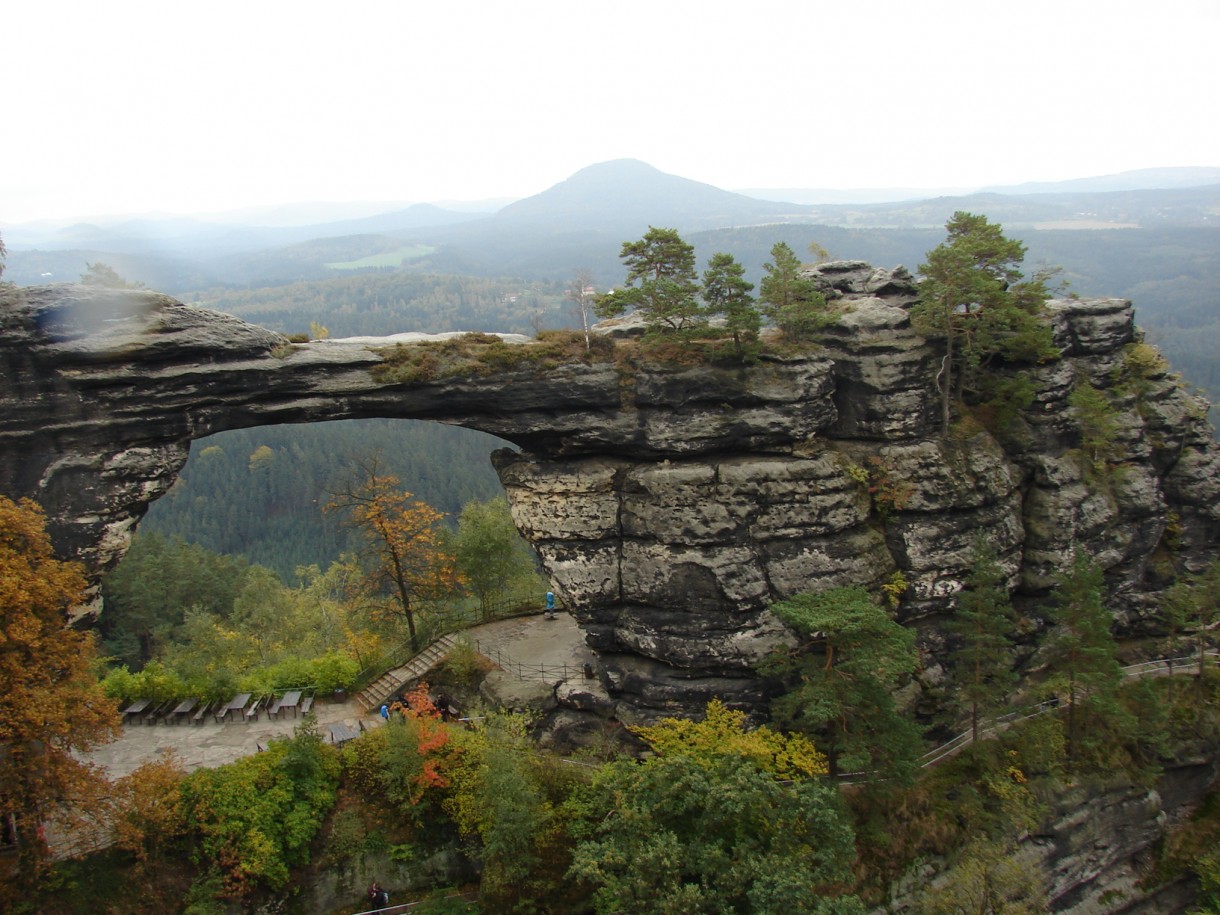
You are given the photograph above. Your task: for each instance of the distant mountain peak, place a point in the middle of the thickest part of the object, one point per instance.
(617, 170)
(632, 193)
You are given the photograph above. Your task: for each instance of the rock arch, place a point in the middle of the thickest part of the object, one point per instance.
(670, 504)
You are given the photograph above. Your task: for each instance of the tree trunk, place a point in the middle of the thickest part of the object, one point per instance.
(946, 389)
(404, 599)
(32, 850)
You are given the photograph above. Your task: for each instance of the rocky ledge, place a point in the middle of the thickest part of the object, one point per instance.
(670, 504)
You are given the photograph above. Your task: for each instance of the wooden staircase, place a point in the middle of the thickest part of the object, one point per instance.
(394, 680)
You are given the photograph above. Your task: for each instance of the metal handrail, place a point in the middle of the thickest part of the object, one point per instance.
(407, 906)
(466, 618)
(1003, 722)
(536, 671)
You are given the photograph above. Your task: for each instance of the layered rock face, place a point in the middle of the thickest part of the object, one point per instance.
(670, 504)
(671, 563)
(1096, 845)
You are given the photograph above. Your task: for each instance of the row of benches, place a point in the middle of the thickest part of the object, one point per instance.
(246, 705)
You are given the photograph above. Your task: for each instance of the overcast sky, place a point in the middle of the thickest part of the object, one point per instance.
(175, 107)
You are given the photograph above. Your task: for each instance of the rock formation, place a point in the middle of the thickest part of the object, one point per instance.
(1096, 844)
(670, 504)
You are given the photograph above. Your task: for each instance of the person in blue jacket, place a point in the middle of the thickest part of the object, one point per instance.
(550, 605)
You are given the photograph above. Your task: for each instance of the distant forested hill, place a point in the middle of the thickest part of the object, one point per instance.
(1173, 277)
(259, 492)
(381, 303)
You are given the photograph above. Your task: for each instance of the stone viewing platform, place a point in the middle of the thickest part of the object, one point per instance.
(207, 745)
(532, 642)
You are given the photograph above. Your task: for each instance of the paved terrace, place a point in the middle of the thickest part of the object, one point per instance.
(530, 640)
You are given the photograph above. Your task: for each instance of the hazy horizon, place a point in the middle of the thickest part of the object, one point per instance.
(133, 109)
(307, 212)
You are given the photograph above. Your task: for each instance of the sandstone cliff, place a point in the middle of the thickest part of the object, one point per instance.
(670, 504)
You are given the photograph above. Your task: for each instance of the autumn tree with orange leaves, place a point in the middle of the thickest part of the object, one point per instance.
(407, 764)
(405, 555)
(50, 700)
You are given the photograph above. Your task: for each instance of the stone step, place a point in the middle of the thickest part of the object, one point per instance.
(391, 681)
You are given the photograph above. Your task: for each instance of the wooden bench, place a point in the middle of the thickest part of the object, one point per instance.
(161, 711)
(274, 710)
(182, 711)
(306, 704)
(203, 711)
(135, 710)
(341, 733)
(250, 713)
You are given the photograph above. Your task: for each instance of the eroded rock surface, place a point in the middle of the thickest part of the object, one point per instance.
(670, 504)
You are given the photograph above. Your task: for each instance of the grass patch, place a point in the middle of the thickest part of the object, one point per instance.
(385, 259)
(480, 355)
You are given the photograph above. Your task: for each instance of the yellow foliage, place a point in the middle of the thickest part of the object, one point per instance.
(723, 731)
(465, 804)
(497, 732)
(50, 701)
(148, 807)
(894, 588)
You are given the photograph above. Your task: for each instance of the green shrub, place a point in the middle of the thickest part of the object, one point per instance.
(154, 682)
(1144, 361)
(464, 665)
(255, 818)
(334, 670)
(120, 684)
(325, 673)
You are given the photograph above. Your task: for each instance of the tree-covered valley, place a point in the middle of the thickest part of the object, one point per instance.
(258, 493)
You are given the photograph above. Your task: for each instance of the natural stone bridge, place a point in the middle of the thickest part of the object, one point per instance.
(670, 504)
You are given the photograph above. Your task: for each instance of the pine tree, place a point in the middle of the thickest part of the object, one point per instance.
(973, 297)
(664, 266)
(1099, 428)
(982, 671)
(852, 659)
(792, 301)
(1191, 614)
(1084, 654)
(726, 292)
